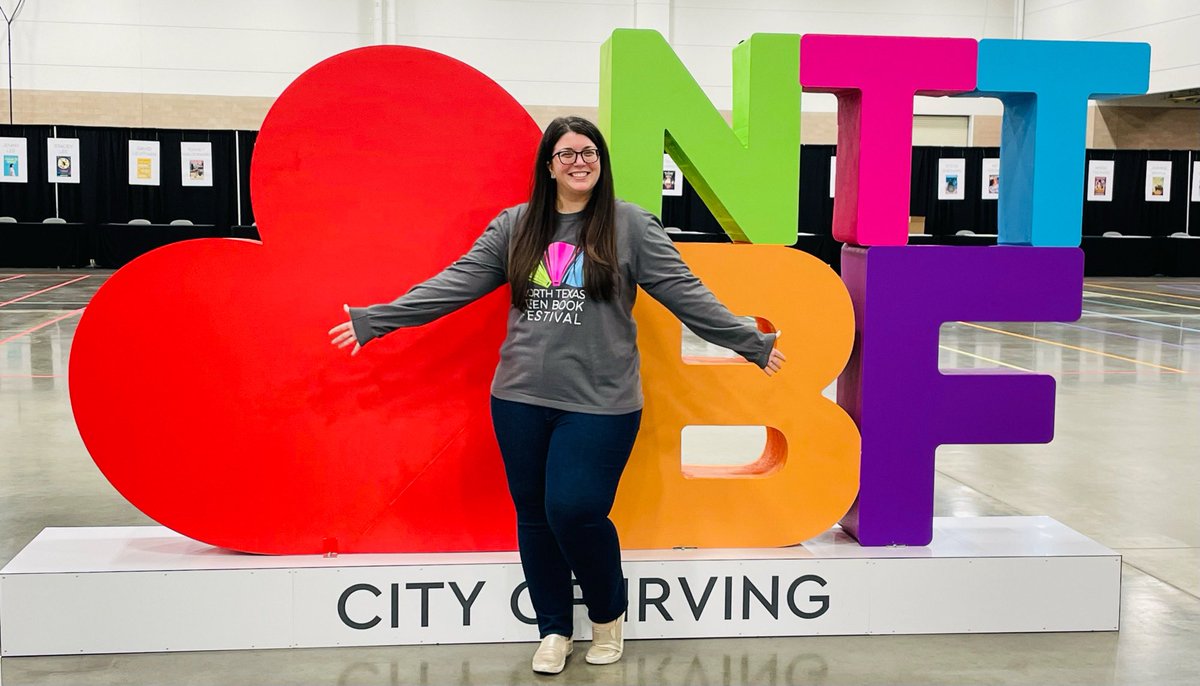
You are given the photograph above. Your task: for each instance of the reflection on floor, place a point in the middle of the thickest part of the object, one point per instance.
(1123, 469)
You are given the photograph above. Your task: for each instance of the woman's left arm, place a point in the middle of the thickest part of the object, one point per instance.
(660, 270)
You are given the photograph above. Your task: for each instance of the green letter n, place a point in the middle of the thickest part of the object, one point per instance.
(748, 176)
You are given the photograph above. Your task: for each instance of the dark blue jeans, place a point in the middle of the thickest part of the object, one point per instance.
(563, 469)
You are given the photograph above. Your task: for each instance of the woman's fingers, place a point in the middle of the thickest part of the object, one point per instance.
(343, 335)
(774, 362)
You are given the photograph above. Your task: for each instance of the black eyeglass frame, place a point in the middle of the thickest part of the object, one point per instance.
(562, 155)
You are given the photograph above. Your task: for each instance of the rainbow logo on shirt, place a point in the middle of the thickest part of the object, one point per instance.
(562, 264)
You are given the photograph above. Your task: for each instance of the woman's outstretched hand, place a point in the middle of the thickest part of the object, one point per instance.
(775, 362)
(343, 336)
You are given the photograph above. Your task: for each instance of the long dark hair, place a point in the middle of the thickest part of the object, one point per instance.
(533, 231)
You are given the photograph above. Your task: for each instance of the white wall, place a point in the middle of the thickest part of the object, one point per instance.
(1172, 27)
(196, 47)
(544, 52)
(704, 31)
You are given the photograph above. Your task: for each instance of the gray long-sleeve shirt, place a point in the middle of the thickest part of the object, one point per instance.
(567, 351)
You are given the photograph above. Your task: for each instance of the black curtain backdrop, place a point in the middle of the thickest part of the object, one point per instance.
(688, 211)
(32, 201)
(246, 141)
(1193, 203)
(1128, 212)
(80, 202)
(816, 207)
(947, 217)
(104, 195)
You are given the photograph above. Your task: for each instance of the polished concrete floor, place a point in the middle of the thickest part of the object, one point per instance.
(1124, 469)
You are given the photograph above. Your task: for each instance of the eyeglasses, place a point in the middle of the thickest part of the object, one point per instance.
(589, 155)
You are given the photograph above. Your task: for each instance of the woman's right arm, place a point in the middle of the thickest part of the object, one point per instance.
(472, 276)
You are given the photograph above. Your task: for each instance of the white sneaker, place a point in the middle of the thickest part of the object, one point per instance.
(551, 655)
(607, 643)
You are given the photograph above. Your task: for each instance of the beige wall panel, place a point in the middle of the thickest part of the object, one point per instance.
(986, 131)
(544, 114)
(139, 110)
(1174, 128)
(819, 128)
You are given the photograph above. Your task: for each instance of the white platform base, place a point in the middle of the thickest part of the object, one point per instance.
(147, 589)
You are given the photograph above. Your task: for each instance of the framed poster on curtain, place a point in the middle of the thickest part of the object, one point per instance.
(144, 163)
(62, 160)
(14, 160)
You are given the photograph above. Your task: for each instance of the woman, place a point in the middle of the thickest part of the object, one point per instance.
(566, 398)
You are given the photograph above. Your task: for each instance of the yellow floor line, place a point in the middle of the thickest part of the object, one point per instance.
(1072, 347)
(985, 359)
(1140, 300)
(1134, 290)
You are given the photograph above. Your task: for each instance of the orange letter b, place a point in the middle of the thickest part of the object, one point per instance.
(807, 476)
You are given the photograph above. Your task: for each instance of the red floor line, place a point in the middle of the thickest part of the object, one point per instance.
(18, 276)
(40, 326)
(44, 290)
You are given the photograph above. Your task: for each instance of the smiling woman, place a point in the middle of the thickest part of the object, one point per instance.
(566, 397)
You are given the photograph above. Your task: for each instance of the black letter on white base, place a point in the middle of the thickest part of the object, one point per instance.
(342, 607)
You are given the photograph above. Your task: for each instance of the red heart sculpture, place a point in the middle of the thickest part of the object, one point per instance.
(202, 377)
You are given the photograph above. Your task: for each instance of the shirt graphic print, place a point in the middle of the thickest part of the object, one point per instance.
(557, 295)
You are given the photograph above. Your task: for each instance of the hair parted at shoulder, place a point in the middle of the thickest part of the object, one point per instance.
(535, 228)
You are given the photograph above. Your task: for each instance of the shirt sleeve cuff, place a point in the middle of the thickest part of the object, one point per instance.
(765, 356)
(362, 325)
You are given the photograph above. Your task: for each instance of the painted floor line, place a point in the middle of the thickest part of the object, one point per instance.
(1181, 287)
(1073, 347)
(40, 326)
(1101, 301)
(1143, 321)
(1141, 311)
(985, 359)
(1134, 290)
(1100, 372)
(46, 290)
(1149, 314)
(1127, 335)
(10, 278)
(1141, 300)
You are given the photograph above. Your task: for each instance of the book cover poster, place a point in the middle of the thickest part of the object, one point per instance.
(14, 160)
(62, 160)
(952, 172)
(1100, 180)
(196, 168)
(832, 174)
(672, 177)
(1195, 181)
(1158, 181)
(144, 163)
(991, 178)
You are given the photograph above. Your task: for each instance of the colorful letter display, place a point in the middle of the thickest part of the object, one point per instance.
(875, 115)
(206, 391)
(1045, 86)
(812, 450)
(903, 405)
(747, 175)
